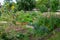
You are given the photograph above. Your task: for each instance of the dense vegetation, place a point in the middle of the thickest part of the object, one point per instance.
(29, 5)
(22, 22)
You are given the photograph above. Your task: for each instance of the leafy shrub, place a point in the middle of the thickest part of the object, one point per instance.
(25, 4)
(54, 5)
(26, 17)
(50, 22)
(42, 5)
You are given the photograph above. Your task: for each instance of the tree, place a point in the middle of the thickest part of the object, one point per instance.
(25, 4)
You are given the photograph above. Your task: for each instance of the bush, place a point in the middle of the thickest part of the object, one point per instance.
(42, 5)
(25, 4)
(54, 5)
(26, 17)
(50, 22)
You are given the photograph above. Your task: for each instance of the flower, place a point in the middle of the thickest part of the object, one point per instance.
(12, 7)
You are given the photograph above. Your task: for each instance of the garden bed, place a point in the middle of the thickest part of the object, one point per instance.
(30, 26)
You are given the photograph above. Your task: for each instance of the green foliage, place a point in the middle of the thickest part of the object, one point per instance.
(41, 24)
(50, 22)
(25, 4)
(9, 6)
(28, 5)
(54, 5)
(26, 17)
(42, 5)
(0, 13)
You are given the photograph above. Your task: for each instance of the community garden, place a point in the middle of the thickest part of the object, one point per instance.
(30, 20)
